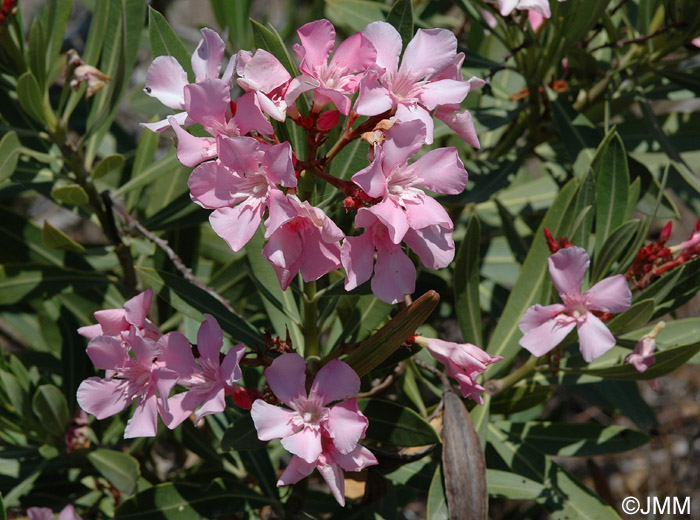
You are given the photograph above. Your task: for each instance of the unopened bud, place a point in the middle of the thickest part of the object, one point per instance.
(328, 120)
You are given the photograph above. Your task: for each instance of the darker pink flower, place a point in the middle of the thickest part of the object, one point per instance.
(318, 435)
(132, 374)
(238, 185)
(44, 513)
(429, 77)
(118, 322)
(263, 74)
(332, 80)
(463, 361)
(544, 327)
(301, 239)
(642, 357)
(209, 379)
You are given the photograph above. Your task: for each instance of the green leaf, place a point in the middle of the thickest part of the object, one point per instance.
(520, 397)
(9, 153)
(233, 16)
(533, 284)
(463, 462)
(437, 503)
(54, 19)
(107, 165)
(676, 332)
(18, 282)
(354, 14)
(574, 440)
(378, 347)
(121, 469)
(613, 248)
(401, 17)
(54, 238)
(181, 501)
(636, 316)
(666, 361)
(502, 484)
(612, 182)
(15, 391)
(193, 302)
(51, 408)
(564, 496)
(466, 284)
(164, 41)
(163, 166)
(72, 194)
(395, 424)
(37, 53)
(242, 436)
(30, 96)
(516, 243)
(579, 136)
(270, 40)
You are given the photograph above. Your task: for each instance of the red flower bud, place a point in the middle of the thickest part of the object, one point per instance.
(328, 120)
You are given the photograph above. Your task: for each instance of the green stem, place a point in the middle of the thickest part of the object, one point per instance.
(496, 386)
(311, 348)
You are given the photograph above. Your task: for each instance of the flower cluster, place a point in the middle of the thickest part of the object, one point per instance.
(248, 177)
(143, 365)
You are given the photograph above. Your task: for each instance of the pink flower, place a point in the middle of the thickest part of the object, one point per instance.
(394, 273)
(118, 322)
(238, 186)
(406, 211)
(544, 327)
(318, 435)
(129, 378)
(642, 357)
(463, 361)
(209, 379)
(44, 513)
(301, 238)
(332, 81)
(429, 77)
(539, 6)
(166, 79)
(263, 74)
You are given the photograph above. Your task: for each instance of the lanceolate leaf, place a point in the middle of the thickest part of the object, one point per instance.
(466, 284)
(401, 17)
(119, 468)
(509, 485)
(164, 42)
(437, 503)
(9, 153)
(614, 247)
(51, 409)
(395, 424)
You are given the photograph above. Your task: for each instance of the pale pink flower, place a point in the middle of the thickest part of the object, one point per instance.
(544, 327)
(642, 357)
(406, 210)
(44, 513)
(128, 378)
(332, 81)
(321, 436)
(541, 7)
(166, 79)
(429, 77)
(238, 185)
(263, 74)
(301, 239)
(463, 361)
(209, 379)
(118, 322)
(394, 273)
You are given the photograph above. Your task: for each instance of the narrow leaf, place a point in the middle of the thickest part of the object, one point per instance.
(164, 41)
(395, 424)
(401, 17)
(9, 153)
(466, 284)
(54, 238)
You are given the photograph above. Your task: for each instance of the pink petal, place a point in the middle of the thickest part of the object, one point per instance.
(425, 212)
(407, 112)
(144, 422)
(165, 81)
(567, 267)
(323, 96)
(542, 339)
(506, 6)
(539, 314)
(358, 459)
(387, 42)
(428, 51)
(145, 349)
(282, 209)
(214, 402)
(357, 257)
(269, 107)
(335, 381)
(296, 470)
(610, 295)
(346, 425)
(241, 154)
(461, 123)
(212, 185)
(277, 164)
(535, 19)
(165, 380)
(271, 422)
(177, 355)
(403, 141)
(181, 406)
(305, 444)
(372, 179)
(181, 118)
(230, 369)
(237, 225)
(249, 115)
(107, 352)
(207, 57)
(207, 102)
(284, 250)
(68, 513)
(394, 275)
(594, 338)
(441, 171)
(136, 309)
(333, 475)
(287, 378)
(433, 245)
(112, 321)
(39, 513)
(355, 54)
(442, 92)
(263, 72)
(91, 331)
(192, 150)
(317, 41)
(318, 257)
(102, 397)
(373, 98)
